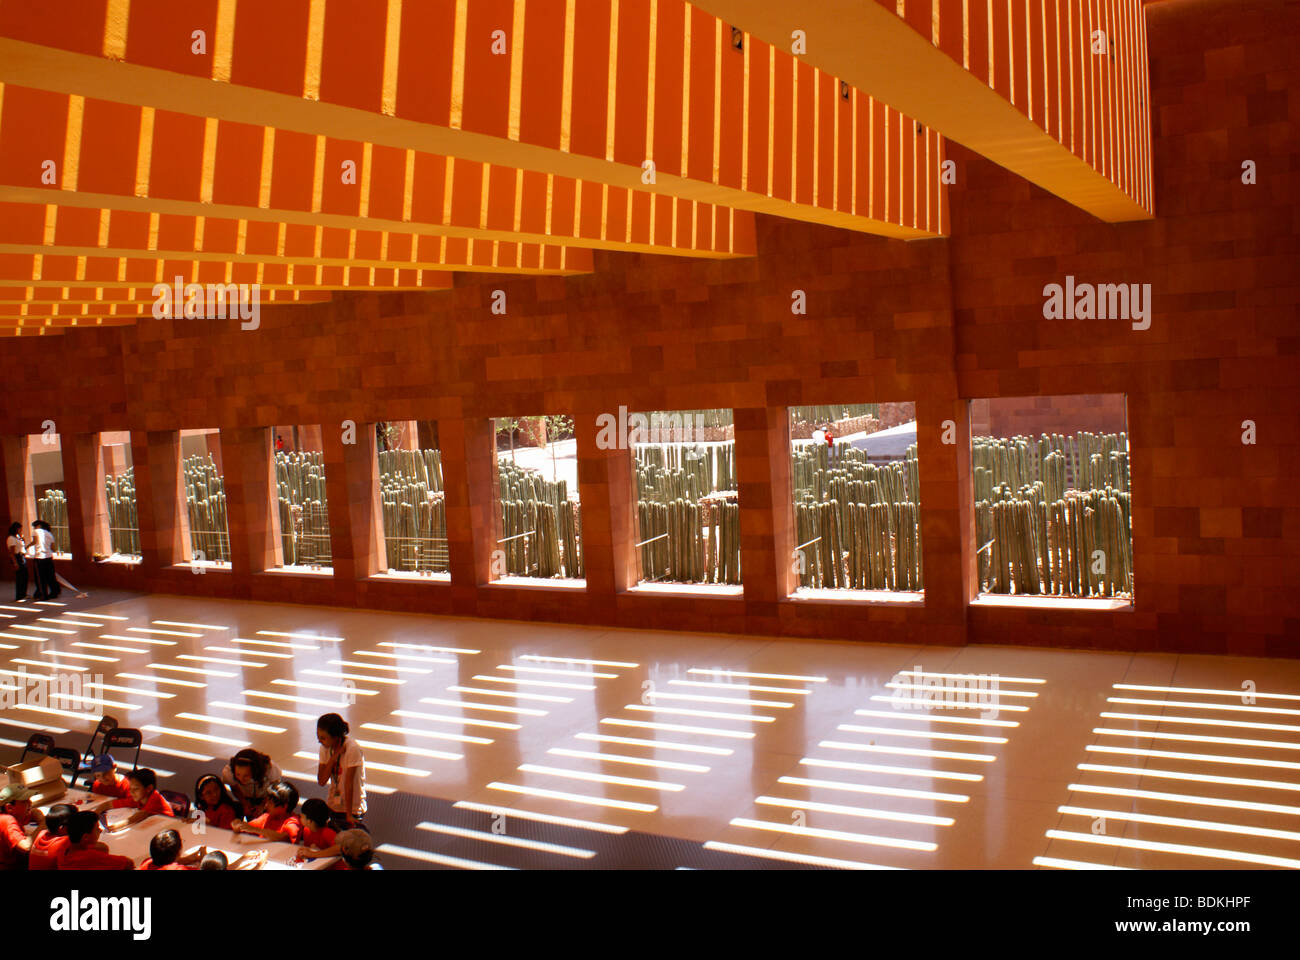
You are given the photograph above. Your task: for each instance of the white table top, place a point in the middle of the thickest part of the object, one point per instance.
(82, 800)
(133, 842)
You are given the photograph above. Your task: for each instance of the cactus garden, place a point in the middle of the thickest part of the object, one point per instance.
(857, 523)
(541, 525)
(688, 512)
(123, 523)
(205, 502)
(304, 509)
(52, 507)
(1052, 515)
(415, 512)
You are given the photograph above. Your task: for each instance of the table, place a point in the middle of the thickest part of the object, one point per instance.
(82, 800)
(134, 842)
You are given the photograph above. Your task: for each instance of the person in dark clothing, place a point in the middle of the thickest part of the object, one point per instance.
(16, 547)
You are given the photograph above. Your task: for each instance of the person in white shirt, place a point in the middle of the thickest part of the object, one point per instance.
(344, 768)
(47, 581)
(16, 547)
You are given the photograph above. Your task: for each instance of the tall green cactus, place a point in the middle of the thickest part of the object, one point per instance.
(541, 525)
(857, 522)
(123, 523)
(1056, 513)
(414, 510)
(52, 507)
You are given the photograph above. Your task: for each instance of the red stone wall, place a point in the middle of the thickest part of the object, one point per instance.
(1032, 416)
(1216, 522)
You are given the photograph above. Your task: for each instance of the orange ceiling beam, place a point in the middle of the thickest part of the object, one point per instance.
(142, 272)
(90, 231)
(1021, 83)
(593, 91)
(128, 296)
(126, 157)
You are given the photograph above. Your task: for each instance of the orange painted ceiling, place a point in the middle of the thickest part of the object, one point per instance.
(314, 146)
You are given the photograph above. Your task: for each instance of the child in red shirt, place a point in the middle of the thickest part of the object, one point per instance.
(16, 813)
(215, 803)
(165, 853)
(85, 852)
(279, 822)
(107, 782)
(50, 843)
(317, 836)
(145, 798)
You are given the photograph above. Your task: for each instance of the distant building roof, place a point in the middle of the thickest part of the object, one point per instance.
(888, 444)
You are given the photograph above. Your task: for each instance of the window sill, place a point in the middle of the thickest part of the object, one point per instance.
(539, 583)
(711, 591)
(407, 576)
(882, 598)
(204, 566)
(1099, 604)
(295, 570)
(123, 561)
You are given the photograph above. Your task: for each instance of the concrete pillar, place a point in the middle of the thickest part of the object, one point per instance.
(608, 503)
(766, 526)
(469, 472)
(160, 498)
(355, 518)
(250, 486)
(83, 484)
(19, 503)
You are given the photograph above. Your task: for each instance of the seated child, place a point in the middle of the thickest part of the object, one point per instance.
(357, 850)
(318, 836)
(107, 782)
(145, 798)
(16, 817)
(165, 853)
(214, 801)
(50, 843)
(84, 851)
(279, 822)
(214, 860)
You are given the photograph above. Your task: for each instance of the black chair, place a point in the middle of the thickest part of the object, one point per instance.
(69, 759)
(125, 738)
(106, 723)
(41, 743)
(180, 803)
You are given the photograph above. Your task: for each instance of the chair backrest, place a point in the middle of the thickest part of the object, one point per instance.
(125, 738)
(180, 803)
(69, 759)
(106, 723)
(41, 743)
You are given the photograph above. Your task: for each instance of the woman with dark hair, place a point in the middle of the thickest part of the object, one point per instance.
(47, 584)
(248, 774)
(344, 768)
(16, 547)
(213, 800)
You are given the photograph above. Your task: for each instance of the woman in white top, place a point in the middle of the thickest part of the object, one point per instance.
(16, 547)
(47, 583)
(344, 768)
(248, 774)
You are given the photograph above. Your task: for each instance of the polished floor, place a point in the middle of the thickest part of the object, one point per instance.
(499, 744)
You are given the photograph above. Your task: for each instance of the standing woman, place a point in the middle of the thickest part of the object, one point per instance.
(344, 768)
(16, 546)
(45, 560)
